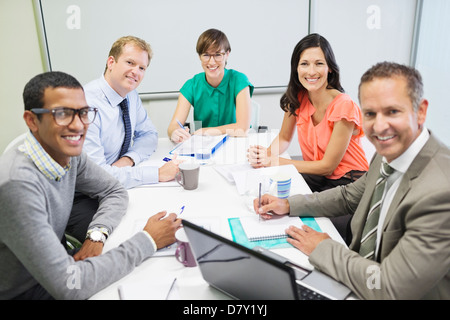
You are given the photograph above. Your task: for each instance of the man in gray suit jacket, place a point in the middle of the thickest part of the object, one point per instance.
(412, 248)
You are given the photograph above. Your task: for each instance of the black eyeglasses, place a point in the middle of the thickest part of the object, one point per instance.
(64, 116)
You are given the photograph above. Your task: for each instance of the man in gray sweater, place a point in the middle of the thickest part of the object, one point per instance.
(37, 184)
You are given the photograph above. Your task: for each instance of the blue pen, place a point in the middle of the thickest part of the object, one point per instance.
(182, 209)
(167, 159)
(179, 123)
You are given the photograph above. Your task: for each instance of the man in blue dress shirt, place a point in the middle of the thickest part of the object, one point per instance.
(128, 60)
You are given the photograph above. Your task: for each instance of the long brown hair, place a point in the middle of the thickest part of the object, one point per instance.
(289, 100)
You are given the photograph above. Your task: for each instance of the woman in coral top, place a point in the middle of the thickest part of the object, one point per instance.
(328, 122)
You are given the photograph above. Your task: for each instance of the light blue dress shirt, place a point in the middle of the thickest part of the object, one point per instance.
(105, 135)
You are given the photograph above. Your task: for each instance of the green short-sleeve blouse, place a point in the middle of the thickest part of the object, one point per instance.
(215, 106)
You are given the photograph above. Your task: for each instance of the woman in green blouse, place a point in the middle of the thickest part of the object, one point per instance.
(220, 96)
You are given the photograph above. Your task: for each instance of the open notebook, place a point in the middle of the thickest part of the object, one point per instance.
(274, 228)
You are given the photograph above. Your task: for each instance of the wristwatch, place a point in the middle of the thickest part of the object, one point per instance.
(97, 234)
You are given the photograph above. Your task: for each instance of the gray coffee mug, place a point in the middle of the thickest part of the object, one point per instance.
(187, 177)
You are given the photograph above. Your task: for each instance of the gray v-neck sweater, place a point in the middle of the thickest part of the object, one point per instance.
(34, 211)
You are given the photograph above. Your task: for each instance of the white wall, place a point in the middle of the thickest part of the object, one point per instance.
(433, 62)
(21, 60)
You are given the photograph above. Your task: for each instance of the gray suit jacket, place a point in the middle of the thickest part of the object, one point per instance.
(414, 257)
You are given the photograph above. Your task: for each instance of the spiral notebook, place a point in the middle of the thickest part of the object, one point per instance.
(274, 228)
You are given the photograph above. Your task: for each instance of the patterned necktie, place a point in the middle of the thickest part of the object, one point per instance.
(369, 235)
(126, 121)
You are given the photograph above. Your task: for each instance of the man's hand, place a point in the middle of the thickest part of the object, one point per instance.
(124, 162)
(89, 249)
(305, 239)
(271, 205)
(163, 230)
(169, 170)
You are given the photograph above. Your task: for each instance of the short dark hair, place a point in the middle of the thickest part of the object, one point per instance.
(214, 39)
(33, 93)
(392, 69)
(289, 100)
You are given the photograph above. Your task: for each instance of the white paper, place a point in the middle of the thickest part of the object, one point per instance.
(157, 288)
(298, 184)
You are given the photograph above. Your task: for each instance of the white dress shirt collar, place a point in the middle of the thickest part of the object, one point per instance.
(403, 162)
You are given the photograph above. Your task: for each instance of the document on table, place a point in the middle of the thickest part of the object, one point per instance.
(298, 184)
(189, 146)
(153, 288)
(155, 162)
(209, 223)
(227, 170)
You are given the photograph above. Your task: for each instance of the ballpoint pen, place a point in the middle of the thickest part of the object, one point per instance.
(259, 206)
(179, 123)
(171, 288)
(181, 211)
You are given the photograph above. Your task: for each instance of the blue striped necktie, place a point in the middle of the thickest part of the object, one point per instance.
(369, 234)
(126, 121)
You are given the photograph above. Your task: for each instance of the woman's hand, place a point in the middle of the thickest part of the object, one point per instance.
(258, 157)
(180, 135)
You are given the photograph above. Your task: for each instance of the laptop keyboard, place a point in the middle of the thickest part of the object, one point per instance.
(308, 294)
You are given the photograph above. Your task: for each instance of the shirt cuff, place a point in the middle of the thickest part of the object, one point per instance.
(135, 156)
(150, 174)
(151, 240)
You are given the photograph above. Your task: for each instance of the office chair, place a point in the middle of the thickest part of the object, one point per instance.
(17, 139)
(255, 118)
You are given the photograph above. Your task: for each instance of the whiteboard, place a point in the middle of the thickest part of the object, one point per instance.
(365, 32)
(77, 35)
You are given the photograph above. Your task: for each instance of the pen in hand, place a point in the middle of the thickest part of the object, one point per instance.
(259, 203)
(179, 123)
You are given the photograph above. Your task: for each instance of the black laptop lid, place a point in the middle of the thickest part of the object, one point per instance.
(238, 271)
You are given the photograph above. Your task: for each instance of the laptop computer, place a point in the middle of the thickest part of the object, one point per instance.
(248, 274)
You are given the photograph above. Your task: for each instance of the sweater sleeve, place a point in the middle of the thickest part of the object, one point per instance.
(113, 198)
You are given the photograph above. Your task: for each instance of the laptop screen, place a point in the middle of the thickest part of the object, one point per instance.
(238, 271)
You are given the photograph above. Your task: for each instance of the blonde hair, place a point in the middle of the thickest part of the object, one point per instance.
(116, 49)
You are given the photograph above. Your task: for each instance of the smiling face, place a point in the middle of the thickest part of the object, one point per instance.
(389, 120)
(60, 142)
(313, 69)
(126, 73)
(214, 70)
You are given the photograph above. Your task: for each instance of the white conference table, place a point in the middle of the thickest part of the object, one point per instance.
(214, 201)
